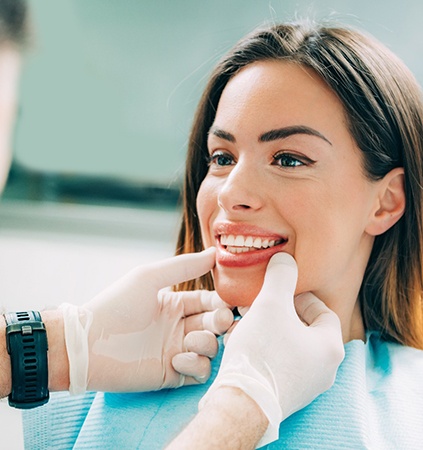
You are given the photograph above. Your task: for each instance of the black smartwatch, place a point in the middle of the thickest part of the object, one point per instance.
(26, 341)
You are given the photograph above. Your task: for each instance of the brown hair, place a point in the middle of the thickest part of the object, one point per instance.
(384, 110)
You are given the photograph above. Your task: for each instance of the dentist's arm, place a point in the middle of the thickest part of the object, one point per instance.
(230, 420)
(134, 336)
(57, 356)
(279, 358)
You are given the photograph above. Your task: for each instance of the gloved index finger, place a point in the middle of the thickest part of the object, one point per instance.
(199, 301)
(181, 268)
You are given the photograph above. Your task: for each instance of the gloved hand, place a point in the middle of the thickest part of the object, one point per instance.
(281, 359)
(127, 337)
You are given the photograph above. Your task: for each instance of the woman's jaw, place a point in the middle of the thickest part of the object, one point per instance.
(240, 285)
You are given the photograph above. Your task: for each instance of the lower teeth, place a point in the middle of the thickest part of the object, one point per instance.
(239, 249)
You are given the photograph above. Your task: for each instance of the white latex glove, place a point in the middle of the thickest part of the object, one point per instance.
(281, 359)
(127, 338)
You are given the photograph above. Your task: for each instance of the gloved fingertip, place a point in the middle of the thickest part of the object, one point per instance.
(222, 320)
(202, 342)
(192, 365)
(283, 258)
(243, 310)
(184, 362)
(209, 250)
(203, 378)
(218, 321)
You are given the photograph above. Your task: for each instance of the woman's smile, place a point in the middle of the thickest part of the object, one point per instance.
(240, 245)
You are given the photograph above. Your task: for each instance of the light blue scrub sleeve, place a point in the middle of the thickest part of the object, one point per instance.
(375, 403)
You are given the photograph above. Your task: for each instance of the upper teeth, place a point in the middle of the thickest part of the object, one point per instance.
(247, 241)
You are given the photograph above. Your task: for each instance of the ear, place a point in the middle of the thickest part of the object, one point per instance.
(390, 202)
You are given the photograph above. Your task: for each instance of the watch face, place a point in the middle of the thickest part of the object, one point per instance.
(27, 345)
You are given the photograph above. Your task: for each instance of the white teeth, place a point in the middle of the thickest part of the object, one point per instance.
(257, 243)
(239, 241)
(238, 249)
(230, 240)
(240, 244)
(249, 241)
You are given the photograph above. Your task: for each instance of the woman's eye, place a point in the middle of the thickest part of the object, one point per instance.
(220, 159)
(288, 160)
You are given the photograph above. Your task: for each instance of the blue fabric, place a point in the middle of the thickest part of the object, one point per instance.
(375, 403)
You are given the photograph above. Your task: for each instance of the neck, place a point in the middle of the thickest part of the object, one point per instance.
(347, 307)
(354, 328)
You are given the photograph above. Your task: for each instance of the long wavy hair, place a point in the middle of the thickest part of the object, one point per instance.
(383, 106)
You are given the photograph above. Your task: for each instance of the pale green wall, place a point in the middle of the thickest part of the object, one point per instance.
(111, 85)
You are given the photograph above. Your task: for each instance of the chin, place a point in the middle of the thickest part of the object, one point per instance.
(237, 289)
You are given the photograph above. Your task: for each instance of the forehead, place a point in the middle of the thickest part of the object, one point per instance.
(280, 93)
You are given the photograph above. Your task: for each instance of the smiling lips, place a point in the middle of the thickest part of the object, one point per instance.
(252, 247)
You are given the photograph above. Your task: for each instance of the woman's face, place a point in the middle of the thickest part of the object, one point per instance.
(285, 175)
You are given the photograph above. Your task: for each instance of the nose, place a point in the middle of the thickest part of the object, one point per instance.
(241, 191)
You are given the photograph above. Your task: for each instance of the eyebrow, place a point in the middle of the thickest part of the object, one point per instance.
(222, 134)
(272, 135)
(282, 133)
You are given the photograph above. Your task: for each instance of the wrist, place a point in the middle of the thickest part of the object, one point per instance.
(228, 419)
(238, 406)
(5, 366)
(254, 386)
(58, 364)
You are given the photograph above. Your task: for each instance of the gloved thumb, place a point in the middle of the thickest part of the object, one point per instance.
(279, 283)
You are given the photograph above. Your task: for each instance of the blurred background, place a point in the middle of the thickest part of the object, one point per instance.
(107, 95)
(109, 87)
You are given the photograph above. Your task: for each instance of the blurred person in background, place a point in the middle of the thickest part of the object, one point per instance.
(14, 36)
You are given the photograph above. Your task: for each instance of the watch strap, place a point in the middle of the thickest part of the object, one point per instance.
(26, 340)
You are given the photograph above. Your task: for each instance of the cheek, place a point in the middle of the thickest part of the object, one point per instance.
(330, 250)
(206, 209)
